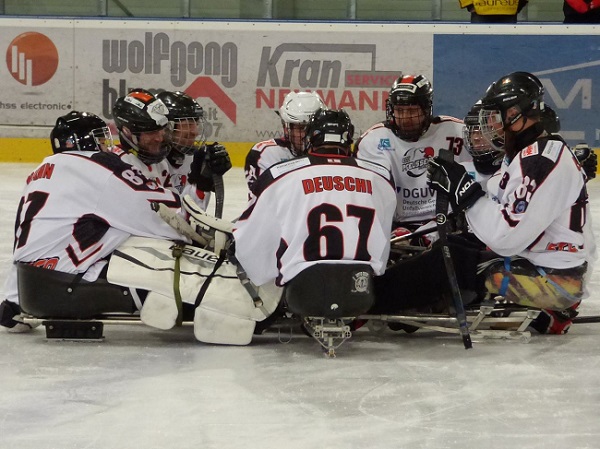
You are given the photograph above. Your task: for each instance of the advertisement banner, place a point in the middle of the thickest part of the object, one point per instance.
(568, 66)
(240, 77)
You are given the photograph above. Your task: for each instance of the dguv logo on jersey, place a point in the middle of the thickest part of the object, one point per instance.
(32, 58)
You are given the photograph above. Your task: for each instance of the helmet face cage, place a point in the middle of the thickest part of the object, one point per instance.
(187, 121)
(144, 129)
(80, 131)
(295, 112)
(188, 134)
(406, 122)
(492, 128)
(512, 97)
(330, 128)
(477, 146)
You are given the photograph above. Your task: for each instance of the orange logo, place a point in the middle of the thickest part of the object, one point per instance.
(32, 58)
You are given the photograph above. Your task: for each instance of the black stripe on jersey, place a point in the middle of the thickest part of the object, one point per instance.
(283, 246)
(537, 166)
(121, 169)
(267, 178)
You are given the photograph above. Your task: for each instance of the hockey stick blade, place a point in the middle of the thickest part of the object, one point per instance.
(441, 217)
(199, 215)
(178, 223)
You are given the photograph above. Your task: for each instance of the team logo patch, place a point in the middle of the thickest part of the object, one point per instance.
(531, 150)
(520, 207)
(414, 161)
(361, 282)
(384, 144)
(552, 150)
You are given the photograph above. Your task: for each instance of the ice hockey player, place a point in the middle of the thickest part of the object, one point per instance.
(144, 133)
(342, 209)
(295, 112)
(78, 206)
(191, 163)
(534, 216)
(406, 140)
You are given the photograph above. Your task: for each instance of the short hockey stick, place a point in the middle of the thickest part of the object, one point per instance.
(586, 319)
(178, 223)
(241, 273)
(219, 195)
(441, 218)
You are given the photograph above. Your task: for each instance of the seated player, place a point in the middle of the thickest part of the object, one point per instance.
(295, 112)
(78, 206)
(188, 147)
(543, 252)
(325, 208)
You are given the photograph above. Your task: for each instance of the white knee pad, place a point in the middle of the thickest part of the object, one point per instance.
(211, 326)
(159, 311)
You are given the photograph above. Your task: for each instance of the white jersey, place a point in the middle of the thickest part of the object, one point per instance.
(316, 209)
(408, 163)
(264, 155)
(158, 172)
(177, 181)
(536, 208)
(77, 207)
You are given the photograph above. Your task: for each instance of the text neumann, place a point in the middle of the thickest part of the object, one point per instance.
(339, 183)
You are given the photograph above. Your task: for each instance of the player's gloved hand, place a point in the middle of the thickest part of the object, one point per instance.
(555, 322)
(587, 158)
(10, 317)
(451, 179)
(217, 159)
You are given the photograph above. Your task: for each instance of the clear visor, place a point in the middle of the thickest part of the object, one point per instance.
(189, 133)
(103, 138)
(492, 128)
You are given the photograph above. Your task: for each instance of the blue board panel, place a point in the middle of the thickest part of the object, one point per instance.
(569, 67)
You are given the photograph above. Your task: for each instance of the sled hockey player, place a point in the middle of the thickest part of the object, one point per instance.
(535, 216)
(405, 141)
(295, 112)
(110, 252)
(144, 133)
(191, 163)
(320, 225)
(78, 206)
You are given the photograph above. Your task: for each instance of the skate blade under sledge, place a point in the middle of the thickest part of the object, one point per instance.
(87, 330)
(483, 324)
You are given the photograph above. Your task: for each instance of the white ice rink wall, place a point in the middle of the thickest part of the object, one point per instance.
(240, 71)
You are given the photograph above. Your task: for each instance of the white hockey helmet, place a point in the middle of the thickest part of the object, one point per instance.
(298, 107)
(295, 112)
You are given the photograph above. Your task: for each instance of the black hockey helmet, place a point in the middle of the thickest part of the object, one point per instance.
(330, 128)
(522, 91)
(140, 112)
(507, 100)
(410, 90)
(80, 131)
(187, 120)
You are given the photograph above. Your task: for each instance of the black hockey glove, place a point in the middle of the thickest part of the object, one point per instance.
(211, 160)
(587, 158)
(218, 159)
(10, 317)
(450, 178)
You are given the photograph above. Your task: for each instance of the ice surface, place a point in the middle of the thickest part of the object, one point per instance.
(143, 388)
